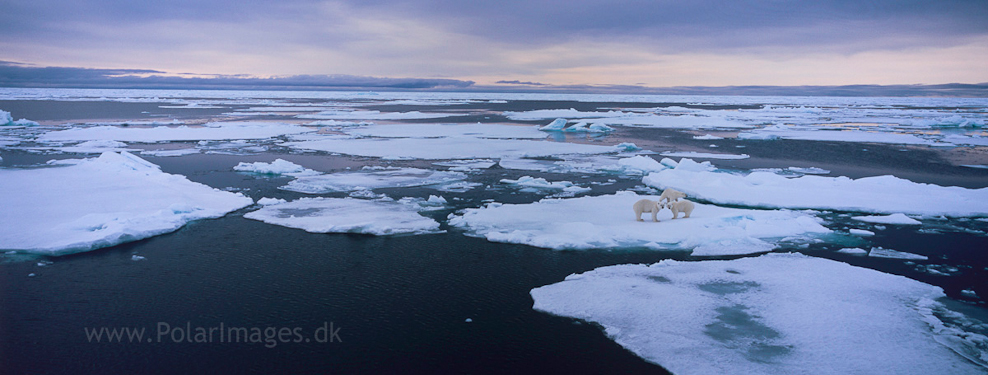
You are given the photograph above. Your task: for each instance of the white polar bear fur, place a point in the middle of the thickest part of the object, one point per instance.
(671, 195)
(683, 206)
(646, 205)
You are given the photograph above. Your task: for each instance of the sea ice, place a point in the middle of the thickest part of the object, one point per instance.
(277, 167)
(565, 188)
(208, 132)
(814, 134)
(346, 215)
(372, 115)
(879, 252)
(772, 314)
(707, 137)
(853, 251)
(704, 155)
(371, 179)
(809, 170)
(899, 219)
(608, 222)
(446, 130)
(95, 147)
(80, 205)
(861, 232)
(447, 148)
(879, 194)
(466, 165)
(7, 120)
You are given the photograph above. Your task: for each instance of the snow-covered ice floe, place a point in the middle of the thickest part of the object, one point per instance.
(447, 148)
(372, 115)
(608, 221)
(346, 215)
(277, 167)
(209, 132)
(704, 155)
(535, 184)
(879, 252)
(772, 314)
(814, 134)
(899, 219)
(80, 205)
(559, 125)
(879, 194)
(372, 178)
(446, 130)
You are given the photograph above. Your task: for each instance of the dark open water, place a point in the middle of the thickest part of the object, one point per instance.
(400, 303)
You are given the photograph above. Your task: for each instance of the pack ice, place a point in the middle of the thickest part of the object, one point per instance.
(371, 178)
(346, 215)
(608, 222)
(208, 132)
(447, 148)
(879, 194)
(772, 314)
(85, 204)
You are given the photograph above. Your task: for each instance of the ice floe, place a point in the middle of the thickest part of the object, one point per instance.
(446, 130)
(879, 252)
(704, 155)
(534, 184)
(466, 165)
(879, 194)
(277, 167)
(835, 135)
(675, 121)
(559, 125)
(447, 148)
(346, 215)
(772, 314)
(899, 219)
(7, 120)
(80, 205)
(208, 132)
(372, 115)
(608, 222)
(370, 178)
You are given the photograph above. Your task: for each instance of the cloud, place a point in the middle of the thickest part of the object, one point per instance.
(23, 75)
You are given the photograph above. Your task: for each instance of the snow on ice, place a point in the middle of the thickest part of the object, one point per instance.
(446, 130)
(277, 167)
(608, 222)
(772, 314)
(372, 178)
(80, 205)
(899, 219)
(447, 148)
(208, 132)
(704, 155)
(879, 194)
(346, 215)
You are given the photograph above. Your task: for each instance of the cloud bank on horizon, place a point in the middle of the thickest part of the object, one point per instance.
(580, 42)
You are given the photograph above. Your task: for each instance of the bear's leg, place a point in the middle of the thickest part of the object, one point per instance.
(655, 212)
(688, 212)
(675, 213)
(638, 214)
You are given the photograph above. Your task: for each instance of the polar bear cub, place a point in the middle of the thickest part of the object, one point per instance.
(671, 195)
(646, 205)
(683, 206)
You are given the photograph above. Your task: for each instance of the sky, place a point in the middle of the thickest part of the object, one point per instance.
(656, 43)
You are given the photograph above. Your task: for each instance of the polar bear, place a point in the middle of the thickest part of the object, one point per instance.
(646, 205)
(683, 206)
(671, 195)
